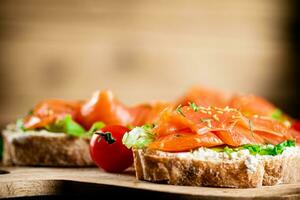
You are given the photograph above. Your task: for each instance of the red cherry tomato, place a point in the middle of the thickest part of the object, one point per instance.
(107, 150)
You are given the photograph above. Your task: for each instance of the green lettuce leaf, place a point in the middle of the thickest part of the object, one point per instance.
(217, 149)
(20, 125)
(269, 149)
(228, 150)
(138, 137)
(96, 126)
(277, 115)
(255, 149)
(67, 125)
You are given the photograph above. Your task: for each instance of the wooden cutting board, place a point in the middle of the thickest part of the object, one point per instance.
(34, 181)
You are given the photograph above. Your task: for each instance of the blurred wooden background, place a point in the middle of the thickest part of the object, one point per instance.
(141, 49)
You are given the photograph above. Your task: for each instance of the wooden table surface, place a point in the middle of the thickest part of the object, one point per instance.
(42, 181)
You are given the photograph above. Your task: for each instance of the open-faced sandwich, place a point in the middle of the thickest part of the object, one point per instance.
(57, 132)
(246, 142)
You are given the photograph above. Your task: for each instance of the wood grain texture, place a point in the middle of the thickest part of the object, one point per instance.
(143, 50)
(29, 181)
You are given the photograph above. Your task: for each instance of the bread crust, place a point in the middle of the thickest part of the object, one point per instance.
(155, 167)
(41, 148)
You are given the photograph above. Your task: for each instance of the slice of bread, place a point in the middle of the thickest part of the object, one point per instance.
(43, 148)
(206, 167)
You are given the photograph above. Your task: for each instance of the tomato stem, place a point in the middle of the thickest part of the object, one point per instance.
(107, 136)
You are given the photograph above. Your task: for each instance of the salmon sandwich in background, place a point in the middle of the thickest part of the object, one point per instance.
(57, 132)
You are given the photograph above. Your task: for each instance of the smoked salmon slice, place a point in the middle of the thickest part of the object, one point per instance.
(251, 105)
(193, 126)
(204, 97)
(185, 142)
(46, 112)
(105, 107)
(147, 113)
(102, 106)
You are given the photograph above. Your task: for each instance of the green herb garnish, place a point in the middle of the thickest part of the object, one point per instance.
(148, 127)
(194, 106)
(178, 109)
(207, 121)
